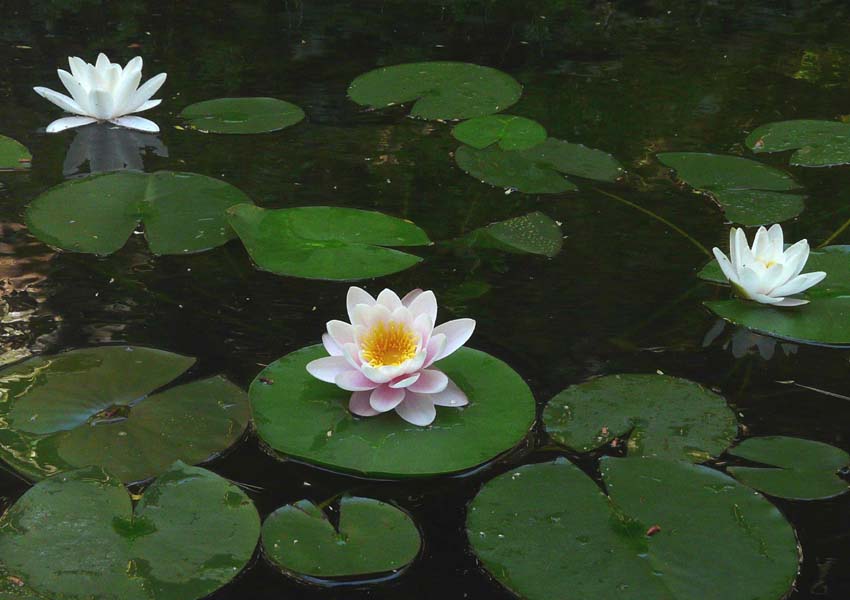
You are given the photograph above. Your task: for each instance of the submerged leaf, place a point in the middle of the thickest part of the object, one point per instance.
(534, 233)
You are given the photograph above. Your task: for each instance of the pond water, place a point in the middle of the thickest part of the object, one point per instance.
(622, 296)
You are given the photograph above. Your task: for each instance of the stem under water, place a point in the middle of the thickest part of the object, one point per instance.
(659, 218)
(834, 235)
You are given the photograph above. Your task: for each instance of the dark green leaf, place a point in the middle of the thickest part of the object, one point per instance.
(534, 233)
(99, 406)
(13, 155)
(323, 242)
(76, 535)
(441, 90)
(663, 416)
(511, 132)
(308, 420)
(817, 143)
(547, 531)
(373, 538)
(242, 115)
(182, 212)
(806, 470)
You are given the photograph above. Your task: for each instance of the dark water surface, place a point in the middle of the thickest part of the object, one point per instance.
(632, 79)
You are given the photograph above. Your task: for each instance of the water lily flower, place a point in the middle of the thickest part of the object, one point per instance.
(104, 92)
(385, 355)
(767, 272)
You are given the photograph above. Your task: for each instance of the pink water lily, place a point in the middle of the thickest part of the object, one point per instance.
(385, 355)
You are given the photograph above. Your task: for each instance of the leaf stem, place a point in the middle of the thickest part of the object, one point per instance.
(659, 218)
(834, 235)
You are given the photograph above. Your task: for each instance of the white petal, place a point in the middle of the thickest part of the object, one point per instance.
(451, 396)
(777, 241)
(331, 346)
(457, 333)
(417, 409)
(328, 368)
(390, 299)
(144, 93)
(100, 104)
(789, 302)
(354, 381)
(137, 123)
(75, 88)
(148, 105)
(761, 244)
(800, 284)
(341, 332)
(410, 296)
(68, 123)
(425, 303)
(725, 265)
(795, 258)
(405, 381)
(749, 281)
(743, 255)
(81, 71)
(357, 296)
(61, 100)
(124, 90)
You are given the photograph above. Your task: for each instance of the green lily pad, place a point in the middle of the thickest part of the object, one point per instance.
(439, 90)
(748, 192)
(182, 212)
(307, 419)
(101, 406)
(14, 156)
(817, 143)
(825, 320)
(540, 169)
(663, 416)
(668, 530)
(77, 535)
(534, 233)
(373, 537)
(804, 469)
(509, 131)
(324, 242)
(242, 115)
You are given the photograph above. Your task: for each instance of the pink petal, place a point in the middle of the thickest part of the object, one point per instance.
(352, 355)
(410, 296)
(423, 325)
(390, 299)
(404, 381)
(341, 332)
(431, 381)
(417, 409)
(354, 381)
(327, 368)
(425, 304)
(435, 348)
(451, 396)
(457, 332)
(385, 398)
(357, 296)
(331, 346)
(359, 405)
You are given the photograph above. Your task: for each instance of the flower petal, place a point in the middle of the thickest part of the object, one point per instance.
(125, 87)
(101, 104)
(795, 258)
(148, 105)
(405, 380)
(61, 100)
(137, 123)
(341, 332)
(800, 284)
(789, 302)
(354, 381)
(74, 87)
(457, 333)
(725, 265)
(451, 396)
(330, 345)
(327, 368)
(385, 398)
(359, 405)
(434, 349)
(431, 381)
(410, 296)
(761, 244)
(144, 93)
(68, 123)
(357, 296)
(425, 303)
(417, 409)
(390, 299)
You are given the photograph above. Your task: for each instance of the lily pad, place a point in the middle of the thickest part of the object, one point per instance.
(816, 143)
(534, 233)
(540, 169)
(182, 212)
(77, 535)
(242, 115)
(663, 416)
(439, 90)
(804, 469)
(748, 192)
(509, 131)
(668, 530)
(324, 242)
(825, 320)
(307, 419)
(373, 537)
(14, 156)
(104, 406)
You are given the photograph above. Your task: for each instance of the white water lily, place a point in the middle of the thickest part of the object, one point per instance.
(767, 272)
(104, 92)
(385, 355)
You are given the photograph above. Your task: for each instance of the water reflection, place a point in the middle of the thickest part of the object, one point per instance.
(743, 342)
(108, 148)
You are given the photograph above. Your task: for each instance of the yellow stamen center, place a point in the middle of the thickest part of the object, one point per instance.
(767, 263)
(388, 344)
